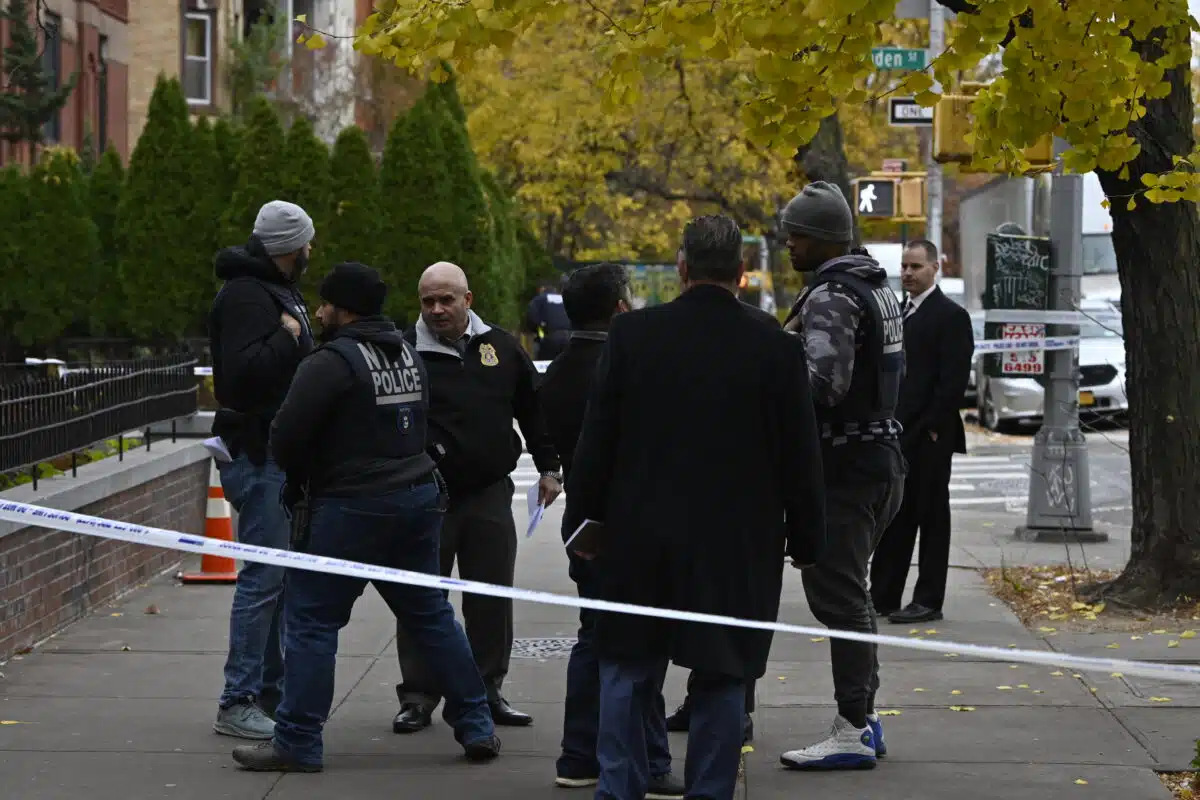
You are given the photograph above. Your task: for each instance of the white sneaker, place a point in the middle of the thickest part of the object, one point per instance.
(847, 747)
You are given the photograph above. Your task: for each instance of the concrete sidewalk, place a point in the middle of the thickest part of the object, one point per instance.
(121, 706)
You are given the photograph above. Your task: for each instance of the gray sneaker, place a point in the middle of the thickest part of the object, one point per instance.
(245, 721)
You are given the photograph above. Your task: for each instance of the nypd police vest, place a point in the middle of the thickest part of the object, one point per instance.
(879, 362)
(385, 415)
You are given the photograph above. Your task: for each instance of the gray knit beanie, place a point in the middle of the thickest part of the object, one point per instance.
(283, 227)
(819, 211)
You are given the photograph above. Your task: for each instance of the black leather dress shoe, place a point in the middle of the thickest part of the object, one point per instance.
(747, 729)
(504, 714)
(914, 612)
(413, 717)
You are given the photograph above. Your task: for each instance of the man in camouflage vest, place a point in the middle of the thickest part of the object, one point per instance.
(853, 332)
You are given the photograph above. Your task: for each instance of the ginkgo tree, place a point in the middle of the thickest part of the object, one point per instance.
(1111, 77)
(620, 182)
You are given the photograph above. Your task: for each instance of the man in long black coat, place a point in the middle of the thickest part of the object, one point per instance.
(689, 398)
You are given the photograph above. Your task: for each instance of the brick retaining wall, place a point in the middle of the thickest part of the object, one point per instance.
(49, 579)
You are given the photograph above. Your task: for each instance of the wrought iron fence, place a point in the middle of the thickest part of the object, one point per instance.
(53, 411)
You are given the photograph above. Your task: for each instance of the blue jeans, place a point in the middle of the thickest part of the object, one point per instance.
(255, 663)
(399, 529)
(627, 695)
(581, 715)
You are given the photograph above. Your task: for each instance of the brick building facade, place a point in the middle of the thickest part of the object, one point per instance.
(118, 48)
(49, 579)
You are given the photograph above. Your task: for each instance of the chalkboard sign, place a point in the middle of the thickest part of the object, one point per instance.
(1018, 278)
(1018, 272)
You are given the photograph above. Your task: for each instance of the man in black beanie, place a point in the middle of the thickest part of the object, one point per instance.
(351, 437)
(853, 330)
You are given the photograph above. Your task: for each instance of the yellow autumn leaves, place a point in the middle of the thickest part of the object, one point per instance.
(1074, 73)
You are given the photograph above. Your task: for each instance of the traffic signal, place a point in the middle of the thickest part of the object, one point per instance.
(910, 196)
(953, 120)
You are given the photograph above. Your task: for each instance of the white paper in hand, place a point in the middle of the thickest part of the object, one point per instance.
(536, 509)
(217, 449)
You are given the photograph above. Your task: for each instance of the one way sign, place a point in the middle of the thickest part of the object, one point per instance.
(906, 112)
(875, 197)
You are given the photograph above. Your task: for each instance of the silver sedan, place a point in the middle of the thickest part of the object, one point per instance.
(1009, 402)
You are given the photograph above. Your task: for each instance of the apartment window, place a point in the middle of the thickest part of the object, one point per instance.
(198, 59)
(102, 97)
(52, 66)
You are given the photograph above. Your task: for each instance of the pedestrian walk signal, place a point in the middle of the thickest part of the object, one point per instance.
(875, 197)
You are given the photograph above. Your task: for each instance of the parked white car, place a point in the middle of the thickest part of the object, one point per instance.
(971, 396)
(1009, 402)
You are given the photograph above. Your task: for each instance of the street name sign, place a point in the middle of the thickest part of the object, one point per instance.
(898, 58)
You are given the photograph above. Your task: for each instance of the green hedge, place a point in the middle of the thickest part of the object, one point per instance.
(128, 252)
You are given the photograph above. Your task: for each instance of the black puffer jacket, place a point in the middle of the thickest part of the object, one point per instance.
(254, 356)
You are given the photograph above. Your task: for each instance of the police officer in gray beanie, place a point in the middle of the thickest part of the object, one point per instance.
(853, 332)
(259, 331)
(352, 432)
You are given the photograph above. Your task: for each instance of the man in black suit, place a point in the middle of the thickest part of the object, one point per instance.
(592, 297)
(689, 398)
(938, 347)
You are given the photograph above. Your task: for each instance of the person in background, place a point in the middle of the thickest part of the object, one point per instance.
(593, 296)
(938, 347)
(481, 381)
(662, 466)
(849, 320)
(259, 331)
(351, 437)
(546, 318)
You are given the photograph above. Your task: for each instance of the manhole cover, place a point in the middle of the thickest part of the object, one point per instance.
(543, 648)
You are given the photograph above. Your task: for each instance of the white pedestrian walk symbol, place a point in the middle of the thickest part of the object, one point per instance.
(866, 199)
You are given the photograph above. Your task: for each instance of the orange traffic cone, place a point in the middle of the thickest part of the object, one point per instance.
(217, 525)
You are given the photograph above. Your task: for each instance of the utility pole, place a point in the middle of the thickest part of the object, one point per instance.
(933, 177)
(1060, 496)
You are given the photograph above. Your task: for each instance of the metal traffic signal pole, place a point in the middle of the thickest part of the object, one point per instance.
(1060, 495)
(933, 177)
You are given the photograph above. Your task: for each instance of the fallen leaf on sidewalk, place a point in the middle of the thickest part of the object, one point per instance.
(1136, 638)
(914, 632)
(783, 677)
(1057, 673)
(817, 639)
(12, 722)
(747, 749)
(1045, 629)
(1188, 635)
(950, 655)
(1081, 782)
(1022, 685)
(1059, 617)
(931, 631)
(118, 614)
(1038, 691)
(1159, 632)
(955, 691)
(1076, 675)
(1004, 688)
(1160, 699)
(918, 690)
(1118, 675)
(962, 708)
(1173, 643)
(1113, 646)
(891, 712)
